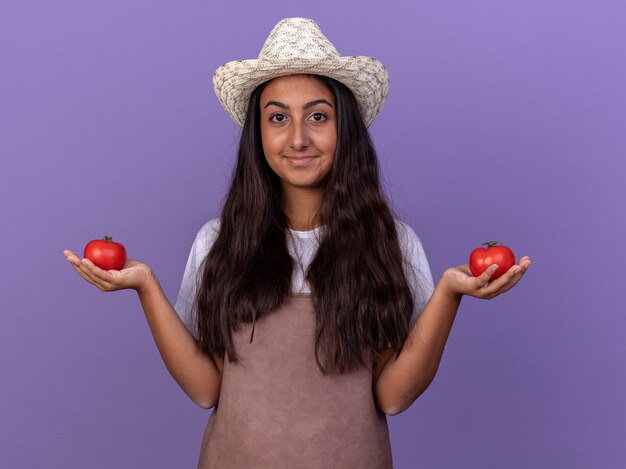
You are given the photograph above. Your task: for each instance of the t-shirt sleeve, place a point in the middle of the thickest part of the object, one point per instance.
(187, 293)
(416, 267)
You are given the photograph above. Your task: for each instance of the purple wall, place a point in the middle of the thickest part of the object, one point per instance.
(505, 120)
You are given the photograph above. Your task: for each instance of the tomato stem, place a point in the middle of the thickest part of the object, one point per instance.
(490, 244)
(108, 238)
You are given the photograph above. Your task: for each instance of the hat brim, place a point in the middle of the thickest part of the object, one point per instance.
(366, 77)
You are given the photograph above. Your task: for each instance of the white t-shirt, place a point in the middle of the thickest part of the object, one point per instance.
(302, 246)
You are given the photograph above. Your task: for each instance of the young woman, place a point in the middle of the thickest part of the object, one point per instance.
(307, 312)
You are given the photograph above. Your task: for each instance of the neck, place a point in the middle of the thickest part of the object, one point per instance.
(301, 207)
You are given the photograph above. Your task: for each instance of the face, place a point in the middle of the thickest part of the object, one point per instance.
(299, 131)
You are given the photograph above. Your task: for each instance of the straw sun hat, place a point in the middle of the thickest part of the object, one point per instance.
(297, 45)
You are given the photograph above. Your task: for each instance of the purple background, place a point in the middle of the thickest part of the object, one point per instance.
(505, 120)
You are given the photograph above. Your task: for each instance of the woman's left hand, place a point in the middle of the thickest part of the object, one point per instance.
(460, 281)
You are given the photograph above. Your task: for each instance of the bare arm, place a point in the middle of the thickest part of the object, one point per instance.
(403, 379)
(199, 375)
(398, 381)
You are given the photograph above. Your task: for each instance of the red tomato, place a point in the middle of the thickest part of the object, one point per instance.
(481, 258)
(105, 253)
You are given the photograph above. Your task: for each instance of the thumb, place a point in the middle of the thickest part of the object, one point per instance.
(486, 275)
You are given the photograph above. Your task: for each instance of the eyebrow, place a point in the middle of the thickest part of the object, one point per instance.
(306, 106)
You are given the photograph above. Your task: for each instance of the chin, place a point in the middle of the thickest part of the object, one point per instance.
(304, 184)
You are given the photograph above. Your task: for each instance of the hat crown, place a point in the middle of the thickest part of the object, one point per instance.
(297, 38)
(297, 46)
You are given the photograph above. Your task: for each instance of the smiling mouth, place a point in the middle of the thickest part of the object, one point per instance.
(300, 160)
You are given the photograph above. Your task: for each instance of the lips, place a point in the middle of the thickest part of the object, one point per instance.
(299, 160)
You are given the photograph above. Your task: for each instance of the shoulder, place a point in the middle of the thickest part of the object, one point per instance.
(411, 246)
(205, 238)
(407, 236)
(209, 231)
(418, 268)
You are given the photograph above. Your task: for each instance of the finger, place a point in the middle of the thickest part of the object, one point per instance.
(86, 270)
(508, 285)
(88, 273)
(522, 267)
(483, 279)
(85, 274)
(99, 276)
(82, 269)
(505, 282)
(71, 256)
(85, 265)
(518, 272)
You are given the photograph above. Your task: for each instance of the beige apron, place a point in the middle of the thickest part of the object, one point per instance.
(277, 410)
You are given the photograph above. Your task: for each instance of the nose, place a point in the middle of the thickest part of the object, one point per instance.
(298, 137)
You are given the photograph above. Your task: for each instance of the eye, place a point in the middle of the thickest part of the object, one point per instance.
(278, 117)
(319, 117)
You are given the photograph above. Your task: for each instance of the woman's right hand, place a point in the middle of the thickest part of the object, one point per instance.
(134, 275)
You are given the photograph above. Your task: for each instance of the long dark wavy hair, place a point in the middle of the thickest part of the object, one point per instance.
(362, 298)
